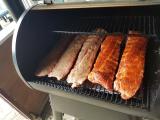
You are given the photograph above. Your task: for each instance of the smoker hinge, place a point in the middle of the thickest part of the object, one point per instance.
(48, 2)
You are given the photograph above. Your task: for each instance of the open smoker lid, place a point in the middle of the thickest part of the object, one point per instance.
(71, 4)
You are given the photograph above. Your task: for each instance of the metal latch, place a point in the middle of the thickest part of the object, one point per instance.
(48, 2)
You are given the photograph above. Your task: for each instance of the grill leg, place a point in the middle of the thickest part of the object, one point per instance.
(57, 115)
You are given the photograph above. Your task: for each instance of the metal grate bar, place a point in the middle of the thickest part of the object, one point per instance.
(113, 24)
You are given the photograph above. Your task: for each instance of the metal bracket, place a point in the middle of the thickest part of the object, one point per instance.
(48, 2)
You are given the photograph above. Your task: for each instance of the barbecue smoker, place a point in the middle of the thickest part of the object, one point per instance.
(40, 27)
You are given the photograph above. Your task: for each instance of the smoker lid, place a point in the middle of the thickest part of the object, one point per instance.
(95, 4)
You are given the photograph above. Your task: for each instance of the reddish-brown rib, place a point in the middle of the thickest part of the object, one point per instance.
(106, 64)
(130, 73)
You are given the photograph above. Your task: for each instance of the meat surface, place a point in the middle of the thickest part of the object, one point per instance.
(131, 69)
(66, 61)
(49, 62)
(106, 64)
(85, 59)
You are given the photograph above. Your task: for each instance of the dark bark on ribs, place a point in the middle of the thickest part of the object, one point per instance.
(107, 61)
(131, 69)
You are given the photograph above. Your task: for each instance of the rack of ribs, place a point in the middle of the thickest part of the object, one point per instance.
(49, 62)
(131, 69)
(106, 64)
(66, 61)
(86, 59)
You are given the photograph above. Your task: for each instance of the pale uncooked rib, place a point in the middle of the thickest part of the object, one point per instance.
(68, 58)
(49, 62)
(85, 60)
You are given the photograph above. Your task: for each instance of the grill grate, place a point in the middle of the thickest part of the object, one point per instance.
(147, 25)
(96, 92)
